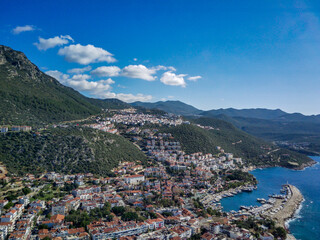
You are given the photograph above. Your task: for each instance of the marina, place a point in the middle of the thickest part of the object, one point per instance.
(305, 221)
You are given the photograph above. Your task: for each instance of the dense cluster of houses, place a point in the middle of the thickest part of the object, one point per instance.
(142, 119)
(163, 191)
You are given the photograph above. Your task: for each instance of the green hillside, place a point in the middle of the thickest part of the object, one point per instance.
(28, 96)
(66, 150)
(175, 107)
(111, 103)
(257, 152)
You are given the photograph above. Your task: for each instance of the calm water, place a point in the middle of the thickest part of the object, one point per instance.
(306, 225)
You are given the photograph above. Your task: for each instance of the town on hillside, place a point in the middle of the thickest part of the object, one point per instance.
(174, 195)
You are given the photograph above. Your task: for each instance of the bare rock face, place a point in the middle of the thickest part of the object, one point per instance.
(16, 61)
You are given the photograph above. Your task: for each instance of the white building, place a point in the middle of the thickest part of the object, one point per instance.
(134, 179)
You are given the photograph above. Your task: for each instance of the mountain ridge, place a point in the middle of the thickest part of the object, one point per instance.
(268, 124)
(32, 97)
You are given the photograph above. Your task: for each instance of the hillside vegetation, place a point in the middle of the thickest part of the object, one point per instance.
(66, 150)
(175, 107)
(257, 152)
(29, 96)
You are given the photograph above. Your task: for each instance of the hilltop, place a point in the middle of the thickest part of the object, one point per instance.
(174, 107)
(31, 97)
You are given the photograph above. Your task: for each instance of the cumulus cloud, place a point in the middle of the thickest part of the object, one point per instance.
(94, 88)
(45, 44)
(106, 71)
(139, 71)
(79, 70)
(99, 89)
(172, 79)
(131, 71)
(194, 79)
(20, 29)
(133, 98)
(61, 77)
(80, 77)
(85, 54)
(161, 67)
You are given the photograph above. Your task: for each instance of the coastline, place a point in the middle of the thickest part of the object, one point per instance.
(300, 168)
(295, 215)
(291, 207)
(303, 219)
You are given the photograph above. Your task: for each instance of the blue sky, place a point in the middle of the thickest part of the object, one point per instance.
(211, 54)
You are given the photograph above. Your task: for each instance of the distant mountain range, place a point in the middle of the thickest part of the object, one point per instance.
(180, 108)
(175, 107)
(274, 125)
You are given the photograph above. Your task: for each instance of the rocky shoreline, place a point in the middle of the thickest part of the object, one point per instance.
(291, 206)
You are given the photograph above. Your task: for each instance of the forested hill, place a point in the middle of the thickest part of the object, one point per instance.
(256, 151)
(66, 150)
(175, 107)
(29, 96)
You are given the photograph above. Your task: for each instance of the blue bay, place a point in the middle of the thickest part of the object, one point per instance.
(307, 222)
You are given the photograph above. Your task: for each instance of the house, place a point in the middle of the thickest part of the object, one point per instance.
(266, 236)
(8, 225)
(59, 208)
(182, 231)
(155, 223)
(3, 203)
(38, 203)
(134, 179)
(207, 236)
(3, 232)
(4, 129)
(6, 218)
(24, 200)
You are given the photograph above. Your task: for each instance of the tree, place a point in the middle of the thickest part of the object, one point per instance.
(130, 216)
(8, 205)
(26, 190)
(118, 210)
(280, 232)
(43, 226)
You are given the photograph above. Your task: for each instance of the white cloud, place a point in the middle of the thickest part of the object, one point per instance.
(106, 71)
(20, 29)
(131, 71)
(45, 44)
(80, 77)
(161, 67)
(98, 89)
(139, 71)
(135, 59)
(172, 79)
(61, 77)
(94, 88)
(85, 54)
(194, 79)
(133, 98)
(80, 83)
(79, 70)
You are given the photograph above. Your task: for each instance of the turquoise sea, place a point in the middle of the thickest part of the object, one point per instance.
(306, 224)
